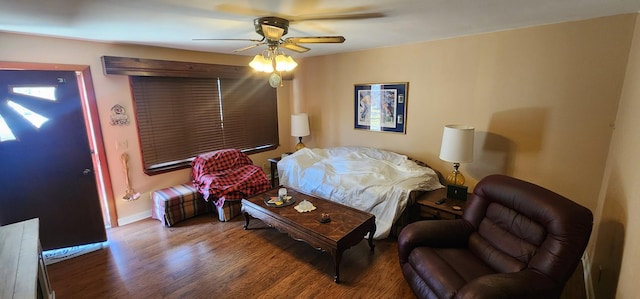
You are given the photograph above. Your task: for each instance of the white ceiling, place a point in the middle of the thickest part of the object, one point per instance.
(174, 23)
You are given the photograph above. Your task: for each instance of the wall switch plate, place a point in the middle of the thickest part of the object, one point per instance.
(122, 144)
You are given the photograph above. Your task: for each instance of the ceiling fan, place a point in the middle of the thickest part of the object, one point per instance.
(275, 26)
(272, 29)
(273, 60)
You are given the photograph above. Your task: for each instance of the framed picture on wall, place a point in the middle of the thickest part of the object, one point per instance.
(381, 107)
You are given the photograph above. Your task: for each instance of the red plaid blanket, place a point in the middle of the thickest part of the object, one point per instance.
(227, 175)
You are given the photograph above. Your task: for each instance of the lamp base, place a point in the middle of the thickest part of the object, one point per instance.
(300, 145)
(455, 177)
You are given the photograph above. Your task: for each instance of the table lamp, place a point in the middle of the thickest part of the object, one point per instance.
(299, 128)
(457, 147)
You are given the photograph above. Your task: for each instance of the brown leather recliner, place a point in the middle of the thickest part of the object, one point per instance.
(515, 240)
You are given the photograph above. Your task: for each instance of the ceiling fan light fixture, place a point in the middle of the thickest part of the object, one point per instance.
(292, 63)
(285, 63)
(281, 63)
(261, 64)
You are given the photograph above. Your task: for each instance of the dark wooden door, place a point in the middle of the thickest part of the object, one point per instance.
(46, 168)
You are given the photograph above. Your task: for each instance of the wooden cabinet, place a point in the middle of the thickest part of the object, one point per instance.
(23, 273)
(429, 209)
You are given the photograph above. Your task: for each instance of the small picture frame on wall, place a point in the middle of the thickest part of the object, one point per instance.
(381, 107)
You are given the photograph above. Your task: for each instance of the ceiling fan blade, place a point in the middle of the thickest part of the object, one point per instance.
(304, 7)
(244, 10)
(350, 13)
(233, 39)
(295, 47)
(355, 16)
(315, 39)
(246, 48)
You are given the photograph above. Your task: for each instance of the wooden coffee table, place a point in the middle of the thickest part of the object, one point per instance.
(347, 227)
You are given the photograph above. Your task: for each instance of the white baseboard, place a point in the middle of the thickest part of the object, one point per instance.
(134, 218)
(588, 280)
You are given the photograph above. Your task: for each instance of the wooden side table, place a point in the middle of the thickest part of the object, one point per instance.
(428, 209)
(273, 166)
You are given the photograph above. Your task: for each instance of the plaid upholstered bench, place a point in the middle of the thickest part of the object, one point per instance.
(174, 204)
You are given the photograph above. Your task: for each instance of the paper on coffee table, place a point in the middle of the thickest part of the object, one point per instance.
(305, 206)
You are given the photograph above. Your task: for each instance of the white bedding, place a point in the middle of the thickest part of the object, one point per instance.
(367, 179)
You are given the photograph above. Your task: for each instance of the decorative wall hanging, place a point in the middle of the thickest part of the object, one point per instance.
(119, 116)
(381, 107)
(130, 194)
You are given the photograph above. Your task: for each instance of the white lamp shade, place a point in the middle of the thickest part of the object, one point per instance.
(457, 143)
(261, 64)
(257, 62)
(281, 63)
(284, 63)
(299, 125)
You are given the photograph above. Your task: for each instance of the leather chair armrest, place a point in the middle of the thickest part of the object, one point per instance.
(525, 284)
(433, 233)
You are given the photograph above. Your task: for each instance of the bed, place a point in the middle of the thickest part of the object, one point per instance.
(373, 180)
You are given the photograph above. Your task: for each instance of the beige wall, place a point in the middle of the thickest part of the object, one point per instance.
(543, 100)
(114, 89)
(616, 232)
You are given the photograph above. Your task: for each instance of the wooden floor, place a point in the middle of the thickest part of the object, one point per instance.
(205, 258)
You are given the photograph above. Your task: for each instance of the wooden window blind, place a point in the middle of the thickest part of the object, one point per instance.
(179, 118)
(250, 113)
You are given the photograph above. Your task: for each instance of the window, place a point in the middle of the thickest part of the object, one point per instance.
(5, 132)
(24, 94)
(179, 118)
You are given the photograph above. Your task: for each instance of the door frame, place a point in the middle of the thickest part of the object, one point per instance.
(92, 125)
